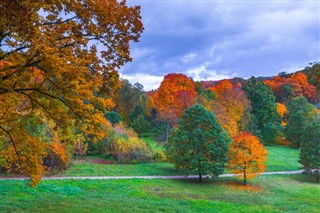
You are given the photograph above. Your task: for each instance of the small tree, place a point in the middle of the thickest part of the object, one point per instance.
(113, 117)
(247, 157)
(199, 145)
(310, 148)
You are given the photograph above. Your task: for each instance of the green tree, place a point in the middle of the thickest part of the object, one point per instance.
(310, 148)
(264, 110)
(300, 113)
(140, 125)
(113, 117)
(128, 98)
(199, 145)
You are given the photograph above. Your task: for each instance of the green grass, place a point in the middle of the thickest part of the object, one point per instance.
(120, 169)
(279, 159)
(286, 193)
(153, 144)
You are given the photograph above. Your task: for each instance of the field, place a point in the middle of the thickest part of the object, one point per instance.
(279, 159)
(272, 193)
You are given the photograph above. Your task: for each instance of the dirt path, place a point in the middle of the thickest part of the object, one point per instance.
(145, 177)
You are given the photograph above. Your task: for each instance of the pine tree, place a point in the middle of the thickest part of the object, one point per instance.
(199, 145)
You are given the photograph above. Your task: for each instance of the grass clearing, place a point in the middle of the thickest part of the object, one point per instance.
(279, 159)
(120, 169)
(278, 193)
(282, 158)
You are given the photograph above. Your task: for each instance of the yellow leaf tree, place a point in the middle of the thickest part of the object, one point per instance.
(247, 156)
(52, 70)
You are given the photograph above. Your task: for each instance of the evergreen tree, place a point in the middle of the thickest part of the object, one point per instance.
(310, 148)
(199, 145)
(264, 111)
(140, 125)
(300, 113)
(113, 117)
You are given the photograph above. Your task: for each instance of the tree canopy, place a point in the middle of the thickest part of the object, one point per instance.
(310, 148)
(199, 145)
(264, 110)
(52, 69)
(300, 113)
(247, 156)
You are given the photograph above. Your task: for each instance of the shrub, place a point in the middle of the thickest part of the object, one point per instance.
(159, 156)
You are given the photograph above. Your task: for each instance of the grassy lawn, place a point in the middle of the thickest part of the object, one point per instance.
(276, 193)
(279, 159)
(120, 169)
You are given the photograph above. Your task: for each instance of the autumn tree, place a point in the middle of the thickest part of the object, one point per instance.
(282, 110)
(310, 148)
(51, 69)
(285, 89)
(300, 113)
(247, 156)
(175, 94)
(264, 110)
(229, 106)
(199, 145)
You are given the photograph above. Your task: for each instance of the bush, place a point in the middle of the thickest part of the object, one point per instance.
(159, 156)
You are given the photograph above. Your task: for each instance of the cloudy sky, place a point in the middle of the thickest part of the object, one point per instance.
(210, 40)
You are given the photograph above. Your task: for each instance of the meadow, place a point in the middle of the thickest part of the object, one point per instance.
(280, 158)
(271, 193)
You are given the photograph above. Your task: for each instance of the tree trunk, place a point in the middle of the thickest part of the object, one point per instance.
(167, 136)
(77, 153)
(200, 177)
(52, 158)
(317, 174)
(244, 176)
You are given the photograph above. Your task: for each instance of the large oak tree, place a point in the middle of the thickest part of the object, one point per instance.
(58, 62)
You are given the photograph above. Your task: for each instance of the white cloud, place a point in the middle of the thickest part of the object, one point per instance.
(149, 82)
(203, 73)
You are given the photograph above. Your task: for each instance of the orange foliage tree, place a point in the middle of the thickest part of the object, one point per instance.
(229, 106)
(247, 157)
(175, 94)
(282, 110)
(51, 69)
(287, 88)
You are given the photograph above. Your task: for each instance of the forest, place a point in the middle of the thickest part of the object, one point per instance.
(66, 112)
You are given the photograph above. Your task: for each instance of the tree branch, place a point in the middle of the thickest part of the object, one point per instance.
(13, 142)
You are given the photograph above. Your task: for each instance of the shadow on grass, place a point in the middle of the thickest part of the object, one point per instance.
(304, 178)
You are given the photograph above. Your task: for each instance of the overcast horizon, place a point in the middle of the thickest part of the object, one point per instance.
(212, 40)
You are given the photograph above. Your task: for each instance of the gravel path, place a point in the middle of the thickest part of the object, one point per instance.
(145, 177)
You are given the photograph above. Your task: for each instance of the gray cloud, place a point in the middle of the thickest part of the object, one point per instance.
(223, 38)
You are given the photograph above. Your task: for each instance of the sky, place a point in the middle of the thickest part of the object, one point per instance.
(213, 40)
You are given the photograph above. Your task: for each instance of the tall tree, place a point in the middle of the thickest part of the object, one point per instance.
(300, 113)
(264, 110)
(247, 156)
(127, 98)
(229, 106)
(51, 69)
(199, 145)
(310, 148)
(175, 94)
